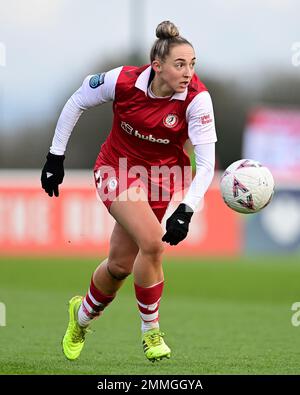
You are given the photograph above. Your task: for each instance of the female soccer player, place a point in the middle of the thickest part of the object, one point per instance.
(157, 107)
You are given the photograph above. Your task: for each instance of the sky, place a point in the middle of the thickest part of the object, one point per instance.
(47, 47)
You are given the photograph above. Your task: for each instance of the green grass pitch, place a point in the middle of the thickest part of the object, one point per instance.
(220, 316)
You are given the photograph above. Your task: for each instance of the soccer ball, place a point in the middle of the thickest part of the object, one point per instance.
(247, 186)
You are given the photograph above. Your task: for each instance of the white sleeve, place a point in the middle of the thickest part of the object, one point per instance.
(205, 165)
(95, 90)
(200, 119)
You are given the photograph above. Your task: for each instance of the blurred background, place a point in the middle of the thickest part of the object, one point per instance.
(232, 286)
(248, 55)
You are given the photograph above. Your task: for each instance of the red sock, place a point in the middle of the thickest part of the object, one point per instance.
(148, 300)
(93, 304)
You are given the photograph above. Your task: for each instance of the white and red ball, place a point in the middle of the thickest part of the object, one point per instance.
(247, 186)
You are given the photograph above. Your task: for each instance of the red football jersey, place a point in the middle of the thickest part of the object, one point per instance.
(147, 136)
(147, 131)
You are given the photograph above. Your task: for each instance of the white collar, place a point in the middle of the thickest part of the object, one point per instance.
(142, 84)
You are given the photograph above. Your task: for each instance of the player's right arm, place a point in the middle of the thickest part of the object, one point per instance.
(95, 90)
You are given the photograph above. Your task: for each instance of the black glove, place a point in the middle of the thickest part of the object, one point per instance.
(53, 173)
(178, 224)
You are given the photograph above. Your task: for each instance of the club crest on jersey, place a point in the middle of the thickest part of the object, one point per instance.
(171, 120)
(97, 80)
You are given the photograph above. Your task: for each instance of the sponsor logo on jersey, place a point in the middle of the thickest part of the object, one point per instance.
(171, 120)
(129, 129)
(205, 119)
(97, 80)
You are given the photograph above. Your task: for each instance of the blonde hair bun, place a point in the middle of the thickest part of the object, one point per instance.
(166, 29)
(167, 37)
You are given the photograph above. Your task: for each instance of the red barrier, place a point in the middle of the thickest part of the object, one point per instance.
(77, 223)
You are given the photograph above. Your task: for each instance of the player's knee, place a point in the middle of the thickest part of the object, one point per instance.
(153, 247)
(119, 270)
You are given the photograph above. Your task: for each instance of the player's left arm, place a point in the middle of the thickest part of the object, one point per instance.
(205, 166)
(202, 133)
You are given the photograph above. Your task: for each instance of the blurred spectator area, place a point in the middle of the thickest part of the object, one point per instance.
(77, 223)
